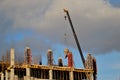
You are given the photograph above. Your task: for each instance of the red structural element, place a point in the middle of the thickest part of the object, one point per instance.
(70, 59)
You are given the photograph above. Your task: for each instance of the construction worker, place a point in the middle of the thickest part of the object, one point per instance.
(70, 57)
(60, 63)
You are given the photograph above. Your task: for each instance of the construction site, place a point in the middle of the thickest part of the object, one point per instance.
(13, 70)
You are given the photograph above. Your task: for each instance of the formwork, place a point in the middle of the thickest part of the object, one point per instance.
(41, 72)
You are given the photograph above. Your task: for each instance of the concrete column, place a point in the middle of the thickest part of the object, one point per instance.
(12, 55)
(36, 79)
(12, 74)
(25, 78)
(31, 78)
(2, 76)
(16, 77)
(71, 75)
(27, 73)
(92, 78)
(50, 75)
(6, 75)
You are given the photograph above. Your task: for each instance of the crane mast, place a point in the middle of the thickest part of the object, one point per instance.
(75, 37)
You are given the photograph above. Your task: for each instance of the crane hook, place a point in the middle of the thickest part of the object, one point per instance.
(65, 17)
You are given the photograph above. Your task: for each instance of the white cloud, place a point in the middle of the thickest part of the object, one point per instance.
(96, 21)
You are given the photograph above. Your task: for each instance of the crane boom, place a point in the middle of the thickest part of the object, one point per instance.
(75, 36)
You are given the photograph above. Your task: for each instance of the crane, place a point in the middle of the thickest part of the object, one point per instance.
(75, 36)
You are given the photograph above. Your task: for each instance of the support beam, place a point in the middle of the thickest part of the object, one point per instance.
(12, 74)
(2, 76)
(71, 75)
(31, 78)
(16, 77)
(6, 74)
(50, 75)
(27, 73)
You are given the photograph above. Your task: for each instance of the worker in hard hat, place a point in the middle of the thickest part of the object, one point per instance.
(70, 57)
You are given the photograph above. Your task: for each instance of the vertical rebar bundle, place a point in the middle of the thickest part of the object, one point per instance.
(50, 57)
(28, 56)
(3, 59)
(89, 62)
(7, 56)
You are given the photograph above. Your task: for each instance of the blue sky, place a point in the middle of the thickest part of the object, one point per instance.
(115, 3)
(40, 25)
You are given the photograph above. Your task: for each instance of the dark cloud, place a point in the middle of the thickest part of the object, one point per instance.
(41, 25)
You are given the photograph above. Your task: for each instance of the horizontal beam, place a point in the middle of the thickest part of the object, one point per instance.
(51, 68)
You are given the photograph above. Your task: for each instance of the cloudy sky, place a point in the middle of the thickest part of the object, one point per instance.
(40, 24)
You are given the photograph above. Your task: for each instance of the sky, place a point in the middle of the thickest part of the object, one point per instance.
(40, 24)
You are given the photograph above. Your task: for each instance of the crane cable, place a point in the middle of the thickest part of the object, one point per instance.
(65, 40)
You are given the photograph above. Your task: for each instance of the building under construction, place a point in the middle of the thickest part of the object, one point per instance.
(12, 70)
